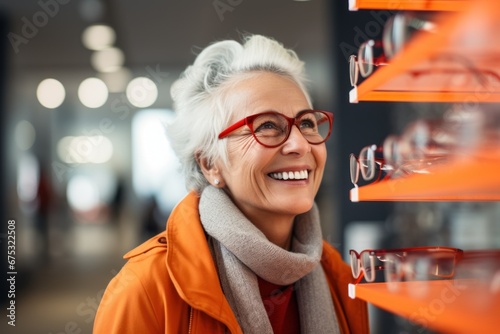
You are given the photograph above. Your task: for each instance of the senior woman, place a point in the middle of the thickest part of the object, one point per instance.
(243, 251)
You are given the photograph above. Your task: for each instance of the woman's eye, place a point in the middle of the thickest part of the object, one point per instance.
(267, 126)
(307, 123)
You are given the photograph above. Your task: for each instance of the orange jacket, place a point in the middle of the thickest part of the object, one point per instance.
(170, 285)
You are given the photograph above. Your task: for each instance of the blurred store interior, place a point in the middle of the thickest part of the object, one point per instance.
(87, 173)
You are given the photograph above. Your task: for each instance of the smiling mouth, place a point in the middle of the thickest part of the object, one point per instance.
(297, 175)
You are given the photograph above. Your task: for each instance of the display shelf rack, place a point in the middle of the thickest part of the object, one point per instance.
(460, 62)
(469, 178)
(434, 5)
(442, 305)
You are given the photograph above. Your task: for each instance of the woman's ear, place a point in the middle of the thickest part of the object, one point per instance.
(209, 170)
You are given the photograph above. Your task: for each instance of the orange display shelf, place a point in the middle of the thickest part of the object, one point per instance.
(459, 63)
(439, 305)
(434, 5)
(470, 178)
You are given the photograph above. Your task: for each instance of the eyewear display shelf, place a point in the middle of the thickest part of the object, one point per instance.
(467, 45)
(475, 177)
(460, 62)
(441, 305)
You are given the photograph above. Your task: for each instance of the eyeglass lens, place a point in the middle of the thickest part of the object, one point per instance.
(440, 264)
(367, 163)
(401, 27)
(353, 70)
(272, 129)
(355, 264)
(365, 58)
(354, 168)
(390, 149)
(368, 266)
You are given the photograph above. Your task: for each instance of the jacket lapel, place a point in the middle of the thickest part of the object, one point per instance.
(191, 266)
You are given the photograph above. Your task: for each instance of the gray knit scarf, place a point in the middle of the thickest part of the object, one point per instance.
(242, 251)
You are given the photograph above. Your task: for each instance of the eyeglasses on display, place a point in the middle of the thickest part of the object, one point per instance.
(423, 144)
(271, 129)
(405, 263)
(367, 164)
(428, 142)
(400, 27)
(368, 57)
(397, 31)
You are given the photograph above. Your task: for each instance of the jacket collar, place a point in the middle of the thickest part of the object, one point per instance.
(191, 266)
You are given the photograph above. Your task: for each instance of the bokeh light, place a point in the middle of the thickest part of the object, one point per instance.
(25, 135)
(93, 92)
(83, 193)
(85, 149)
(142, 92)
(50, 93)
(107, 60)
(98, 37)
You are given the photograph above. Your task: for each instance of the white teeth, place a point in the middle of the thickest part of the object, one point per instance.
(297, 175)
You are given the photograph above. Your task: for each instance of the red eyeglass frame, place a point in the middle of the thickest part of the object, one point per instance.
(248, 121)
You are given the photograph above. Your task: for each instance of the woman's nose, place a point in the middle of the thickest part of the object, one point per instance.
(296, 142)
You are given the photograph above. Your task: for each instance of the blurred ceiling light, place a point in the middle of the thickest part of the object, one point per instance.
(50, 93)
(83, 193)
(117, 80)
(107, 60)
(142, 92)
(85, 149)
(98, 37)
(25, 135)
(155, 166)
(93, 92)
(63, 149)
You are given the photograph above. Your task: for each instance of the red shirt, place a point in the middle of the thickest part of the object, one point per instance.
(281, 307)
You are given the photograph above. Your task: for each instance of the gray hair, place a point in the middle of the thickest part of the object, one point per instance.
(199, 103)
